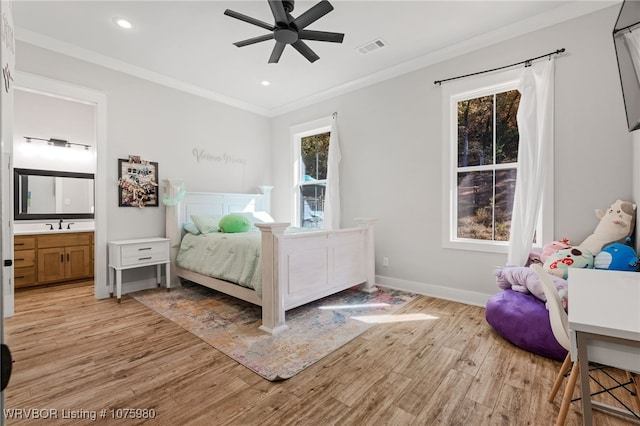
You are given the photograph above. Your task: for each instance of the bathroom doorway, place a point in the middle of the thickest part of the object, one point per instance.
(54, 110)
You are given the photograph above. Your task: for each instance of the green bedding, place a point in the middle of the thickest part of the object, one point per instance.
(229, 257)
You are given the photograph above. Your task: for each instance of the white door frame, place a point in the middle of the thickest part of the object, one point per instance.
(7, 63)
(45, 85)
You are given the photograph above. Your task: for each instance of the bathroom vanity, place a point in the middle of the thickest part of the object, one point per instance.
(53, 228)
(53, 257)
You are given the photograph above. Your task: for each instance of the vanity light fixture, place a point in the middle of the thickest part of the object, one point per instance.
(122, 23)
(60, 143)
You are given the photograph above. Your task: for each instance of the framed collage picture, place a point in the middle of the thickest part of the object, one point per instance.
(138, 183)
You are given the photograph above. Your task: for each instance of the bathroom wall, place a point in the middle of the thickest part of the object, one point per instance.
(41, 116)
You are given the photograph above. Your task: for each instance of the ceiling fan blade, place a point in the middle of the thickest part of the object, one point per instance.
(254, 40)
(279, 14)
(306, 51)
(249, 19)
(320, 36)
(313, 14)
(276, 53)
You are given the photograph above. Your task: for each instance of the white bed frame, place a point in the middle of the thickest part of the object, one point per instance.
(297, 268)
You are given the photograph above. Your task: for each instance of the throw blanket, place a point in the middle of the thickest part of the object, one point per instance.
(232, 257)
(525, 280)
(229, 257)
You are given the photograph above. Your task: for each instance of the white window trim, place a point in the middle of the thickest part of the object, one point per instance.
(298, 132)
(471, 88)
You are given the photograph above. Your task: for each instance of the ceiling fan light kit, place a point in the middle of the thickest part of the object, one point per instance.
(289, 30)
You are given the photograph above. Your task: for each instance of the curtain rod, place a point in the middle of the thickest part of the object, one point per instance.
(526, 62)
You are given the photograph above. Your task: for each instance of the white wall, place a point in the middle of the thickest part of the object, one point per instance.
(165, 126)
(391, 168)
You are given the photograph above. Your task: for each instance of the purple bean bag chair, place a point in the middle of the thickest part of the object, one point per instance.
(523, 320)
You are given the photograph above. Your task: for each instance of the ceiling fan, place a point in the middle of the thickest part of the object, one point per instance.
(290, 30)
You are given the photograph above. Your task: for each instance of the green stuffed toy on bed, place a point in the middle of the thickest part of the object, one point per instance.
(234, 223)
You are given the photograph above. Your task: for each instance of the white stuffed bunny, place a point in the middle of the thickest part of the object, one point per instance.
(616, 224)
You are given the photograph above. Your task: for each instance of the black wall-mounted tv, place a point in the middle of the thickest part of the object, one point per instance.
(628, 54)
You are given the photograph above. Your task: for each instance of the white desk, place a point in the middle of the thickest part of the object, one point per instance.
(604, 319)
(136, 253)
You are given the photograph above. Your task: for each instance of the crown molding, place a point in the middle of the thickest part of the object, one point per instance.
(74, 51)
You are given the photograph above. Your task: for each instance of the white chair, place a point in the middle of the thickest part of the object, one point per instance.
(560, 328)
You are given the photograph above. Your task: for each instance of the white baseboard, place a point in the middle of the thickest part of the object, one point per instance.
(453, 294)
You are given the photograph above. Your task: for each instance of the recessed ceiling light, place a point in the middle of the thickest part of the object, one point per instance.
(265, 83)
(122, 23)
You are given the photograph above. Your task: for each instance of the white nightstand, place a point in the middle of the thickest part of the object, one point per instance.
(136, 253)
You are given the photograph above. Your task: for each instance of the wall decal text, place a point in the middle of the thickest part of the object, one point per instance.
(202, 155)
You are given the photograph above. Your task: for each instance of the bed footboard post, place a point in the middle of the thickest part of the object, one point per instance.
(272, 298)
(369, 253)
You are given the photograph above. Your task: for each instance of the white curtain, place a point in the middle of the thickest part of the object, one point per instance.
(332, 195)
(633, 44)
(535, 126)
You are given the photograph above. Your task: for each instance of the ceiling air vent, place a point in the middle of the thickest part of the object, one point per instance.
(371, 46)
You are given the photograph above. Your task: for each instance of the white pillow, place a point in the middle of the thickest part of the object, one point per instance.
(206, 224)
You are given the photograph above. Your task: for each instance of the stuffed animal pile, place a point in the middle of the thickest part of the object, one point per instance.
(616, 224)
(604, 249)
(520, 319)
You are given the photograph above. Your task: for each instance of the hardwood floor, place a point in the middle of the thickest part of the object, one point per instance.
(82, 355)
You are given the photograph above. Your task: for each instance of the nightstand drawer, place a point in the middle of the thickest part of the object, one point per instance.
(131, 253)
(145, 249)
(139, 254)
(142, 258)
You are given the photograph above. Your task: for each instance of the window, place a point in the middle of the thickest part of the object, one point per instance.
(311, 154)
(487, 165)
(481, 162)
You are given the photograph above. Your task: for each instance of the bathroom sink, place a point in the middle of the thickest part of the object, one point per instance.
(44, 228)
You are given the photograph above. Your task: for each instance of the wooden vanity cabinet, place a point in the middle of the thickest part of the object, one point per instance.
(63, 257)
(54, 258)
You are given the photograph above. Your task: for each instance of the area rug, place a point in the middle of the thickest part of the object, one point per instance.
(231, 325)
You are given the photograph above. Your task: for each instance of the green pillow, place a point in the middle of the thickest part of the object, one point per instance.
(234, 223)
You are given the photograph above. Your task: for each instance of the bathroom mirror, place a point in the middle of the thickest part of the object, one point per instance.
(48, 194)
